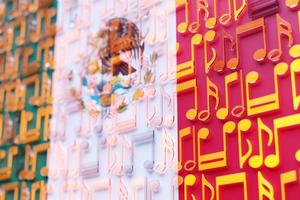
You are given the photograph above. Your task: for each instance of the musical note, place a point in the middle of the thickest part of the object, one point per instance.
(216, 159)
(264, 187)
(219, 65)
(189, 181)
(207, 184)
(273, 160)
(126, 151)
(21, 23)
(188, 165)
(227, 18)
(30, 163)
(150, 94)
(187, 68)
(268, 102)
(141, 139)
(36, 28)
(287, 178)
(212, 91)
(158, 118)
(170, 119)
(295, 70)
(113, 163)
(195, 26)
(152, 38)
(229, 180)
(284, 28)
(256, 161)
(245, 30)
(209, 37)
(237, 111)
(6, 170)
(211, 22)
(183, 26)
(168, 146)
(243, 126)
(187, 86)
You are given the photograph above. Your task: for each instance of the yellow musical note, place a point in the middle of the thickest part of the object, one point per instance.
(189, 165)
(7, 171)
(265, 188)
(216, 159)
(10, 187)
(207, 184)
(187, 86)
(243, 126)
(284, 28)
(229, 180)
(295, 70)
(183, 26)
(209, 38)
(189, 180)
(227, 18)
(273, 160)
(30, 163)
(245, 30)
(286, 178)
(230, 79)
(187, 68)
(212, 91)
(265, 103)
(211, 22)
(256, 161)
(45, 48)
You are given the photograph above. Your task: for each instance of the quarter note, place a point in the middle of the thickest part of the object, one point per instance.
(183, 26)
(209, 38)
(189, 181)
